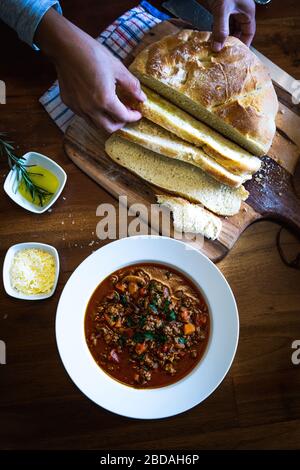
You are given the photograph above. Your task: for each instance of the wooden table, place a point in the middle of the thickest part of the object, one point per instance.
(257, 405)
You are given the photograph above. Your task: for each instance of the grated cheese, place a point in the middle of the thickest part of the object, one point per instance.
(33, 271)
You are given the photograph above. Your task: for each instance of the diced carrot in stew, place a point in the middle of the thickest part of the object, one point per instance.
(121, 287)
(188, 328)
(140, 348)
(118, 323)
(133, 288)
(185, 316)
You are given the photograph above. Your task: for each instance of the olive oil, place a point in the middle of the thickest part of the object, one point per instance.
(43, 178)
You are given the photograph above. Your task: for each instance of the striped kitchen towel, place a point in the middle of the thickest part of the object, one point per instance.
(120, 38)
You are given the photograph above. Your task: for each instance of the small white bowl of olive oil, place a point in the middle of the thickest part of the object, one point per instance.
(45, 174)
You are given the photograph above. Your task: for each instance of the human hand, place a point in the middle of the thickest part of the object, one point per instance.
(88, 79)
(89, 75)
(235, 17)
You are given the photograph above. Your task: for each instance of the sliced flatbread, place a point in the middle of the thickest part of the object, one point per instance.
(153, 137)
(226, 153)
(176, 177)
(191, 218)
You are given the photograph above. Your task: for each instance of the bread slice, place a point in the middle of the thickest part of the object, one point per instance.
(191, 218)
(230, 90)
(225, 152)
(176, 177)
(159, 140)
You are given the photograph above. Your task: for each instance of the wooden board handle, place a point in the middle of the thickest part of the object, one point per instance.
(288, 211)
(272, 194)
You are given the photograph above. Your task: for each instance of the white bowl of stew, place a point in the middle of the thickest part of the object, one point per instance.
(147, 327)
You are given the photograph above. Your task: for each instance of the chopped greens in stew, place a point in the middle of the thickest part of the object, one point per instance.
(147, 325)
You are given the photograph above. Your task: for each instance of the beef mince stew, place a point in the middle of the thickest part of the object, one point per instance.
(147, 325)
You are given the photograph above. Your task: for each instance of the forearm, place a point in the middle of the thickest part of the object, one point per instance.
(24, 16)
(56, 35)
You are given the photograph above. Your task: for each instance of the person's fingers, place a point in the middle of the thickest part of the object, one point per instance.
(220, 28)
(130, 84)
(130, 91)
(103, 121)
(119, 112)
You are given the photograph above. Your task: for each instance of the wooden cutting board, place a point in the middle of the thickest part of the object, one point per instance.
(271, 196)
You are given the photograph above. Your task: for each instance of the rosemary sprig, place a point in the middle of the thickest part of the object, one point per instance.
(35, 191)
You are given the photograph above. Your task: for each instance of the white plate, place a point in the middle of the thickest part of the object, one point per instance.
(11, 252)
(159, 402)
(34, 158)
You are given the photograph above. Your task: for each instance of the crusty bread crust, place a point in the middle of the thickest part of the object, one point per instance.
(230, 90)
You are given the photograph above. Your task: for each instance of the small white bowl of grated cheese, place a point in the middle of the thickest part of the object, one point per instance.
(30, 271)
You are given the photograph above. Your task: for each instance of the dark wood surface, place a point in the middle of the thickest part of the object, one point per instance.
(257, 405)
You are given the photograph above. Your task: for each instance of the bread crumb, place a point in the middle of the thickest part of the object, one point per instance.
(73, 222)
(49, 210)
(91, 243)
(62, 222)
(282, 111)
(64, 198)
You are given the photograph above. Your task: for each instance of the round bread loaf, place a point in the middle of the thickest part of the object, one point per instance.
(230, 90)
